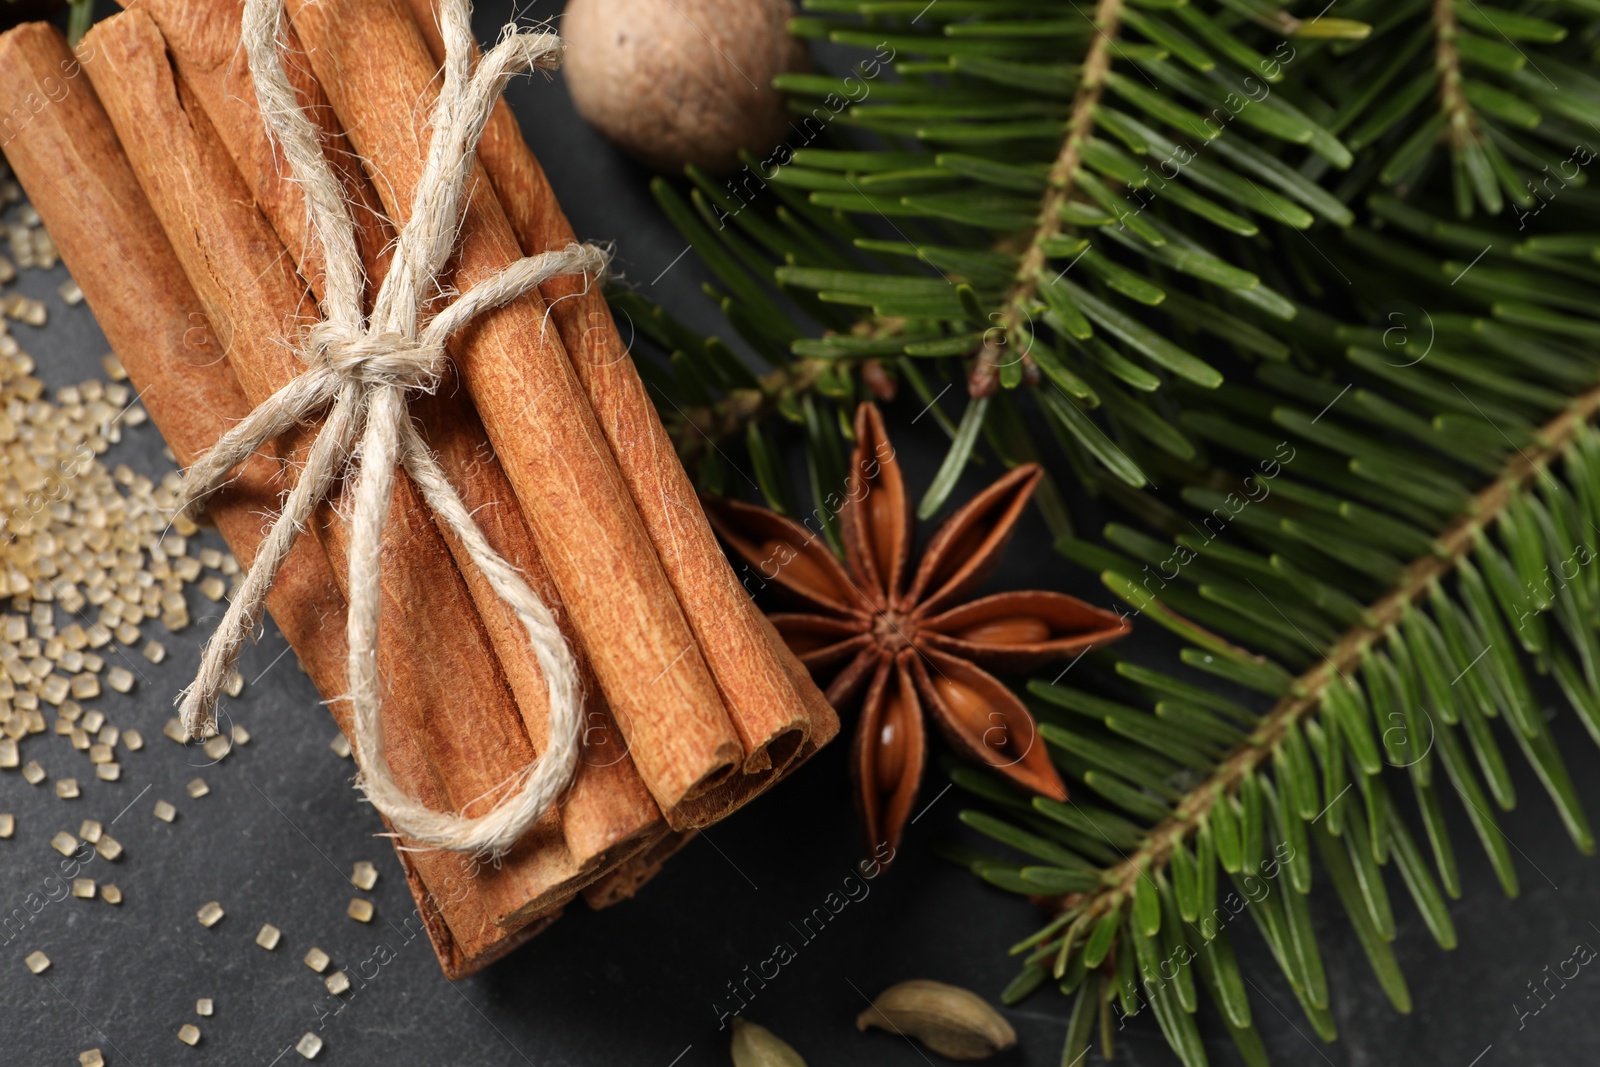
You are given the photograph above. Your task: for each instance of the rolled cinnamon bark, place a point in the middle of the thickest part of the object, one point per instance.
(607, 813)
(375, 68)
(80, 182)
(432, 643)
(628, 877)
(774, 704)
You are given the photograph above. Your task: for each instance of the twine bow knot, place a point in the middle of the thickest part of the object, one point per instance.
(375, 359)
(360, 370)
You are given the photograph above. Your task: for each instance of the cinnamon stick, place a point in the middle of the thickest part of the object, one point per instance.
(80, 182)
(775, 705)
(607, 813)
(432, 646)
(625, 880)
(372, 63)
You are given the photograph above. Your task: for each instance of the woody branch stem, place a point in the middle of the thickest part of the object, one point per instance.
(1063, 174)
(1447, 61)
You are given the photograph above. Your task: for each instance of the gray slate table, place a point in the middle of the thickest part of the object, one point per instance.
(644, 983)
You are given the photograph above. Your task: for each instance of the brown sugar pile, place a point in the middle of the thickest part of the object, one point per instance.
(92, 556)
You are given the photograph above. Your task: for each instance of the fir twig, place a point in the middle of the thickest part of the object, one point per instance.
(1344, 659)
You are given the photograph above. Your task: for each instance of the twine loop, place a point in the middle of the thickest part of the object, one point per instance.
(359, 372)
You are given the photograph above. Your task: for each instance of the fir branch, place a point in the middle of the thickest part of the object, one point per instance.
(984, 377)
(1306, 697)
(81, 19)
(727, 417)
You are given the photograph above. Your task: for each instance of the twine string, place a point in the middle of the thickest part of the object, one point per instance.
(359, 374)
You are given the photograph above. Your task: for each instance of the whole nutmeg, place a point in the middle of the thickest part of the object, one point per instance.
(675, 82)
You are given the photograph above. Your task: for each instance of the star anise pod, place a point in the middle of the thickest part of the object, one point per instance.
(909, 638)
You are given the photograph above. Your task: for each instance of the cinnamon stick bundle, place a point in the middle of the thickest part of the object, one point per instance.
(79, 180)
(432, 644)
(607, 813)
(779, 712)
(727, 714)
(373, 65)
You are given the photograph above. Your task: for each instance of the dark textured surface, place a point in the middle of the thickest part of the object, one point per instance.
(644, 983)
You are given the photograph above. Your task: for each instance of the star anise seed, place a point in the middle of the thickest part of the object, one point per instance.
(909, 639)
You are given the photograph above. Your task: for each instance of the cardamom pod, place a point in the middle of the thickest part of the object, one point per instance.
(756, 1046)
(953, 1022)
